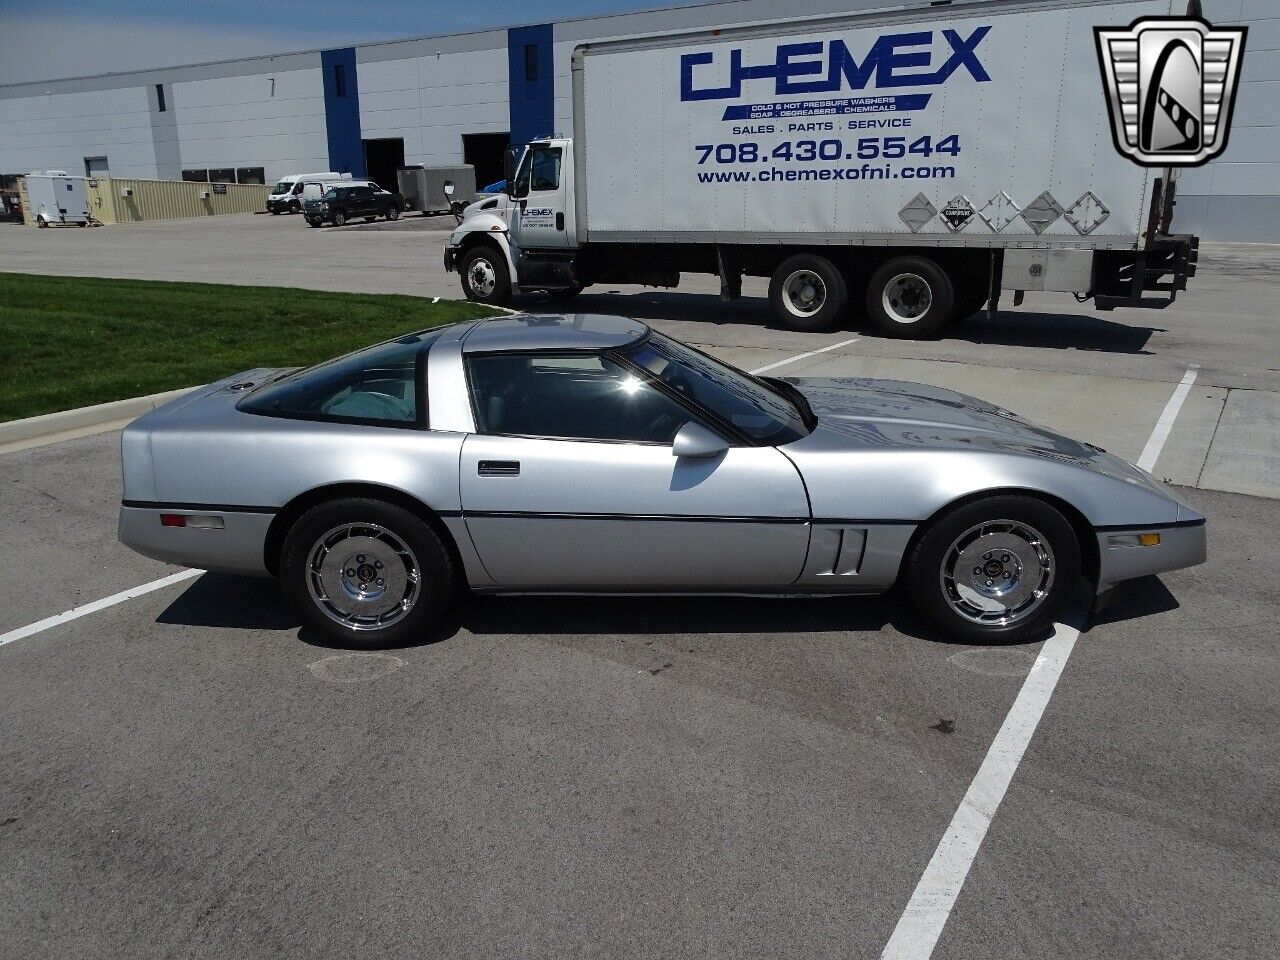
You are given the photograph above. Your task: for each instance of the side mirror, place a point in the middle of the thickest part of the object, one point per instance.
(448, 188)
(693, 440)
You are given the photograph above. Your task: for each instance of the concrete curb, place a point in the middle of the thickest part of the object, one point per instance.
(83, 418)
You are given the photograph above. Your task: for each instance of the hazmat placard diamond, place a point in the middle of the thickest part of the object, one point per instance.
(918, 212)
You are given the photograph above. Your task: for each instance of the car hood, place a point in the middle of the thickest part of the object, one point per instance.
(867, 414)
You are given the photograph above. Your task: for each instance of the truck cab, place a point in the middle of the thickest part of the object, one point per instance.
(526, 240)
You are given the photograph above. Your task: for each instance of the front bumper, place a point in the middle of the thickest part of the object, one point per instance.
(278, 205)
(1182, 544)
(450, 259)
(237, 546)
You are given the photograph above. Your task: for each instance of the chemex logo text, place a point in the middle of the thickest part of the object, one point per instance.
(894, 60)
(1171, 87)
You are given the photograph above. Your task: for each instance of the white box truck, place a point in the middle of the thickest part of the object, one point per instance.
(913, 163)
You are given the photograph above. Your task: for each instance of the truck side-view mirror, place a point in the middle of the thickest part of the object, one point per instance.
(695, 440)
(449, 188)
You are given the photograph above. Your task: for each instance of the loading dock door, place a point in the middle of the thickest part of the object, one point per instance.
(96, 167)
(382, 159)
(485, 151)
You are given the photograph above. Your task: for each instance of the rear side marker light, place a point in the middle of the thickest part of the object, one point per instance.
(197, 521)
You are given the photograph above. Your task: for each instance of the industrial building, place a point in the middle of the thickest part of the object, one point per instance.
(464, 97)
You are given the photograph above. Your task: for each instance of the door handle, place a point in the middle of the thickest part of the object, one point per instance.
(498, 468)
(559, 221)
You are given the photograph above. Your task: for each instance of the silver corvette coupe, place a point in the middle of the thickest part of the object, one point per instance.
(590, 454)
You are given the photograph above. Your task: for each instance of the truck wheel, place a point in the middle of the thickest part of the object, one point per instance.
(910, 297)
(339, 218)
(485, 277)
(807, 292)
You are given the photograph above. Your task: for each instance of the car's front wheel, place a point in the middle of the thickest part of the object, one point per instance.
(365, 573)
(339, 218)
(994, 570)
(393, 212)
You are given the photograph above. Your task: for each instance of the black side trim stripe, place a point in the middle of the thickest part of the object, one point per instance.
(198, 507)
(683, 517)
(1136, 527)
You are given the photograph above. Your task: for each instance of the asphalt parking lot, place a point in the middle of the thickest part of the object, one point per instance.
(187, 773)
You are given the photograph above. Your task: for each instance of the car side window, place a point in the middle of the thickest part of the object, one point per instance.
(570, 397)
(374, 386)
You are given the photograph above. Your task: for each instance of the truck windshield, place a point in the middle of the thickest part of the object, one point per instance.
(281, 187)
(751, 407)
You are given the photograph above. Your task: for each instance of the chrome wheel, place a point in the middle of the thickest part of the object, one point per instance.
(997, 573)
(482, 277)
(907, 298)
(804, 293)
(362, 576)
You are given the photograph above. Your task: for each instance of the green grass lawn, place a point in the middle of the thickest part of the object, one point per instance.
(72, 341)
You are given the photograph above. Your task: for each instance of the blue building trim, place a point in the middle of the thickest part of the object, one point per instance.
(533, 102)
(342, 110)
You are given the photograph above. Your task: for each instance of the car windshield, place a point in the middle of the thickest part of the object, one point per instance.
(282, 187)
(751, 407)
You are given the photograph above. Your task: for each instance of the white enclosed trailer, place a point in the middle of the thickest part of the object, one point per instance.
(912, 163)
(55, 197)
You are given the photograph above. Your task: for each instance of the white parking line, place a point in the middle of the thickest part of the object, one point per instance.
(75, 613)
(1151, 452)
(921, 924)
(804, 356)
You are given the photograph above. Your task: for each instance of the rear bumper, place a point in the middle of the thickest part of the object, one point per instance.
(237, 546)
(1182, 544)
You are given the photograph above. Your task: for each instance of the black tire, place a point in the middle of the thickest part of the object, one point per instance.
(470, 269)
(275, 211)
(923, 572)
(969, 300)
(313, 222)
(295, 206)
(437, 577)
(393, 213)
(905, 284)
(339, 218)
(807, 292)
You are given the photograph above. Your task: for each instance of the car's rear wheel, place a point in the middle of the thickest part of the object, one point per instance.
(365, 573)
(994, 570)
(393, 213)
(485, 278)
(339, 218)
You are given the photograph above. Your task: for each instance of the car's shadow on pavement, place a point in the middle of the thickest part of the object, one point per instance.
(220, 601)
(1021, 328)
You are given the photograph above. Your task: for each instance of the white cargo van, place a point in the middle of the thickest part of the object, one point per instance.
(286, 195)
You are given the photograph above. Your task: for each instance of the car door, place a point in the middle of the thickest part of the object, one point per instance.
(540, 195)
(570, 483)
